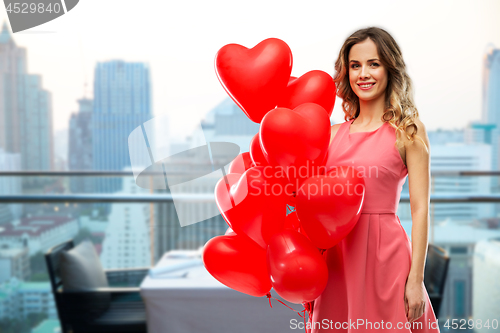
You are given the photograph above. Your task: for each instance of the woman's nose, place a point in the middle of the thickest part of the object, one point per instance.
(364, 72)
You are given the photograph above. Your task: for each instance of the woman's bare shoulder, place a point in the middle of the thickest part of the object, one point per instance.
(421, 132)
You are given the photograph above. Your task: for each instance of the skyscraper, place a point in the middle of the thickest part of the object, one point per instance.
(12, 68)
(491, 86)
(80, 145)
(37, 150)
(25, 108)
(491, 107)
(122, 101)
(491, 97)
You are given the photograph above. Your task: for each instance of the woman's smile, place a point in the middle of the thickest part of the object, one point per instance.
(366, 86)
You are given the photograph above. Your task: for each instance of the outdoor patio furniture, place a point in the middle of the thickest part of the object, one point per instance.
(116, 308)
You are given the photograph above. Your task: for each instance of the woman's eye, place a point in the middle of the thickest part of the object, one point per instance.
(354, 65)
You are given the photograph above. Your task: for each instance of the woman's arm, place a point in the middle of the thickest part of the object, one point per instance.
(418, 165)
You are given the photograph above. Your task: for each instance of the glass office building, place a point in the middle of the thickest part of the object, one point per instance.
(122, 101)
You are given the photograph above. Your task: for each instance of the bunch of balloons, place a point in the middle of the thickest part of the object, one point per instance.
(263, 247)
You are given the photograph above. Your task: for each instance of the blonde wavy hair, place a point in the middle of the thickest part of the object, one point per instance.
(400, 110)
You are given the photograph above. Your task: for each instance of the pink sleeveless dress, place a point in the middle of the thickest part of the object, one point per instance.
(368, 269)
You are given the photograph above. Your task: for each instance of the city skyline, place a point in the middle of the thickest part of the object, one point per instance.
(65, 51)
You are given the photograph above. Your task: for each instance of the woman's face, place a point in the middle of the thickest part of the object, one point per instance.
(367, 76)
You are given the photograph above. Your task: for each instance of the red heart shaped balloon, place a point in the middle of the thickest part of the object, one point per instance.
(256, 203)
(292, 221)
(312, 87)
(256, 152)
(237, 263)
(298, 271)
(297, 140)
(302, 232)
(241, 163)
(291, 199)
(255, 78)
(329, 206)
(223, 190)
(259, 160)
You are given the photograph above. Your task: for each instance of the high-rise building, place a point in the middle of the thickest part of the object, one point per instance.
(25, 108)
(127, 240)
(12, 69)
(80, 146)
(36, 126)
(491, 107)
(14, 263)
(491, 99)
(122, 101)
(491, 86)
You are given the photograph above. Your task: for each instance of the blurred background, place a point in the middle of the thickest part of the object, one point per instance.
(73, 89)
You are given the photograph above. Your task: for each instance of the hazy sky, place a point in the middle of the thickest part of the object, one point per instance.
(443, 44)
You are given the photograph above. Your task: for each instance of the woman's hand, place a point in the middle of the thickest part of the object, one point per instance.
(414, 300)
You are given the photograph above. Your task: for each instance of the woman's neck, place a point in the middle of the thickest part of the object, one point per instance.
(371, 111)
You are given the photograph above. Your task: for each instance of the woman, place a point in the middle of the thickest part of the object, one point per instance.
(375, 273)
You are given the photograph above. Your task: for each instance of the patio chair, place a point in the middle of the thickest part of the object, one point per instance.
(117, 307)
(436, 270)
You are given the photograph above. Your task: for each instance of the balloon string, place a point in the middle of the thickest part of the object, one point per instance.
(269, 297)
(307, 308)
